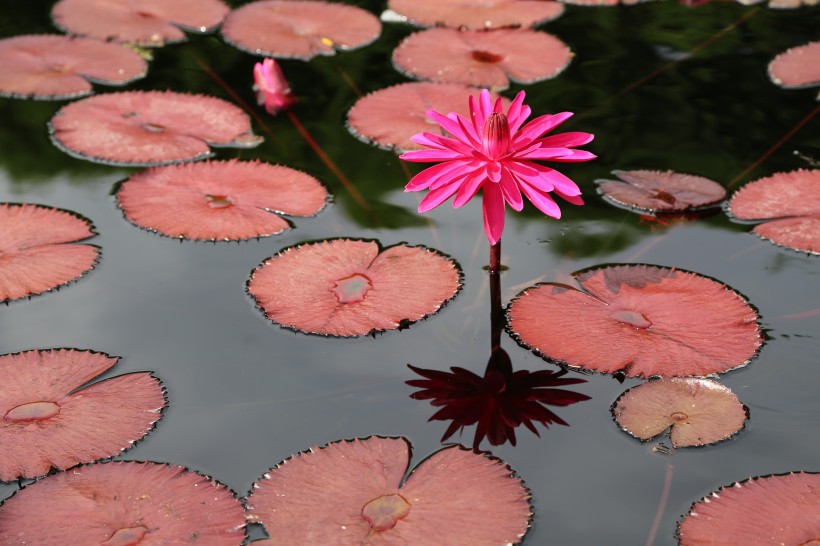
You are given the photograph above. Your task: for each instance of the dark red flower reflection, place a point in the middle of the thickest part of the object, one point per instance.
(497, 403)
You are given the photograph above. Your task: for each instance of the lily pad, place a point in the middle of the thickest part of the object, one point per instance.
(760, 511)
(219, 200)
(299, 29)
(149, 23)
(56, 67)
(120, 504)
(661, 191)
(388, 117)
(641, 320)
(789, 203)
(797, 67)
(34, 256)
(351, 492)
(482, 58)
(144, 128)
(599, 3)
(349, 287)
(50, 422)
(699, 411)
(476, 14)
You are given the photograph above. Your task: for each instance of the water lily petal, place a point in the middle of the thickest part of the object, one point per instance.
(537, 127)
(509, 188)
(493, 208)
(438, 196)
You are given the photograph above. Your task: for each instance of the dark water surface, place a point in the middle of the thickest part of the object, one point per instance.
(245, 394)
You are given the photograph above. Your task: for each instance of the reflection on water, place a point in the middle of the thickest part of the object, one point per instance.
(243, 392)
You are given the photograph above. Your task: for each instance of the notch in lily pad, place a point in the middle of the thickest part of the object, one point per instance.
(36, 252)
(661, 191)
(120, 504)
(219, 200)
(149, 128)
(48, 421)
(641, 320)
(355, 492)
(699, 411)
(787, 203)
(353, 287)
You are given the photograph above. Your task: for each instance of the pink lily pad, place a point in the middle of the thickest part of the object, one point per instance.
(477, 14)
(797, 67)
(603, 2)
(120, 504)
(56, 67)
(140, 128)
(351, 493)
(149, 23)
(48, 423)
(219, 200)
(388, 117)
(348, 287)
(661, 191)
(700, 411)
(760, 511)
(299, 29)
(34, 256)
(641, 320)
(482, 58)
(791, 203)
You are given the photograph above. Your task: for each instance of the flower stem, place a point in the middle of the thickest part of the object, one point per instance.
(495, 258)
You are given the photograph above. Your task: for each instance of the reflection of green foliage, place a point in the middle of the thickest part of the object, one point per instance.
(28, 155)
(713, 113)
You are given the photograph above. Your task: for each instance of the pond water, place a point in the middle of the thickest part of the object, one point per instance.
(245, 394)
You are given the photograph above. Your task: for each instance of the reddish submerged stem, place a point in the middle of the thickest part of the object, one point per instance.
(495, 258)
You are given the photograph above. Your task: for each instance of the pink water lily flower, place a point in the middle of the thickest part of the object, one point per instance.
(495, 152)
(272, 89)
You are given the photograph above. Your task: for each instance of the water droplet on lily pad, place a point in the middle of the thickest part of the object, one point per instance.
(299, 30)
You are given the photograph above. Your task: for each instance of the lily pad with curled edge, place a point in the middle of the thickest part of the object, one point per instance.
(35, 256)
(351, 492)
(148, 23)
(476, 14)
(388, 117)
(599, 3)
(661, 191)
(124, 503)
(56, 67)
(49, 421)
(299, 29)
(146, 128)
(482, 58)
(760, 511)
(641, 320)
(219, 200)
(789, 205)
(700, 411)
(350, 287)
(797, 67)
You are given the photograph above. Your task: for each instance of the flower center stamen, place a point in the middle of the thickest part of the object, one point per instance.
(496, 137)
